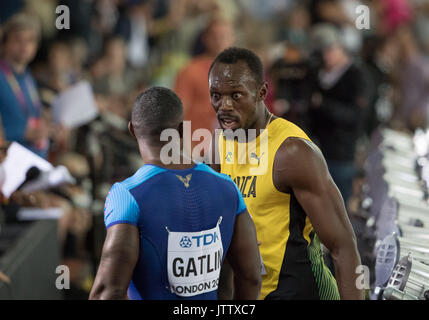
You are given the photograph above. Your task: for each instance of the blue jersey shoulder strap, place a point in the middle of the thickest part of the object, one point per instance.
(120, 205)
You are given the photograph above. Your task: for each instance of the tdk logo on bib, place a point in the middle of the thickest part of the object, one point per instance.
(200, 240)
(185, 242)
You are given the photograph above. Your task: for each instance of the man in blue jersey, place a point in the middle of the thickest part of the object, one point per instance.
(170, 226)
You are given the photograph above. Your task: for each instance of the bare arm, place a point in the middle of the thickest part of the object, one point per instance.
(225, 290)
(243, 256)
(300, 166)
(118, 259)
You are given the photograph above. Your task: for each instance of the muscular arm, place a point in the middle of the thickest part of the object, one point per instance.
(243, 257)
(299, 166)
(118, 259)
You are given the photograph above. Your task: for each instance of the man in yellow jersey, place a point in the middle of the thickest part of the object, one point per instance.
(286, 185)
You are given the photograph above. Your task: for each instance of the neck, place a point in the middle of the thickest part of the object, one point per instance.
(262, 118)
(261, 122)
(155, 155)
(16, 66)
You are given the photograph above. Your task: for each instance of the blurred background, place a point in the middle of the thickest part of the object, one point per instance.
(355, 78)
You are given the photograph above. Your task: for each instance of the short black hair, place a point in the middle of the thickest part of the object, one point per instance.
(154, 110)
(233, 54)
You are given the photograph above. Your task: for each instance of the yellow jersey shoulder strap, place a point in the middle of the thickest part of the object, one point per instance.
(284, 129)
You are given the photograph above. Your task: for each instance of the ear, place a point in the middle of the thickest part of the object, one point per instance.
(131, 129)
(263, 91)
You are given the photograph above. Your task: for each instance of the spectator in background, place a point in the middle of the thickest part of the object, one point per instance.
(45, 13)
(58, 74)
(381, 56)
(394, 13)
(114, 83)
(133, 27)
(337, 103)
(113, 75)
(342, 14)
(297, 26)
(191, 83)
(113, 79)
(413, 105)
(20, 107)
(290, 73)
(79, 55)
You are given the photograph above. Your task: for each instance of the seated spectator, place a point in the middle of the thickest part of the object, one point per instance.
(20, 107)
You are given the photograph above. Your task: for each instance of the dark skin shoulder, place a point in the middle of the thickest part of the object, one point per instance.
(300, 167)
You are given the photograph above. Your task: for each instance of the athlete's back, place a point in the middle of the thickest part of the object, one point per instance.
(185, 220)
(168, 230)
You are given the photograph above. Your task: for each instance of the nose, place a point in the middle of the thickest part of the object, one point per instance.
(226, 103)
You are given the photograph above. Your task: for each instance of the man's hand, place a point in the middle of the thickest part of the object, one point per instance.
(37, 131)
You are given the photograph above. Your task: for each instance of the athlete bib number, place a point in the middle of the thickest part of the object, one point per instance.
(194, 260)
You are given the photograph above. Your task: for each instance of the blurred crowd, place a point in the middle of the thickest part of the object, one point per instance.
(336, 81)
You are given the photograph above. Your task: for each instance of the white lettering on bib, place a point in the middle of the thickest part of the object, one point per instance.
(194, 260)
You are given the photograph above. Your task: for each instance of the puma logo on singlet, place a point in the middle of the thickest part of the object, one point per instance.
(185, 180)
(255, 156)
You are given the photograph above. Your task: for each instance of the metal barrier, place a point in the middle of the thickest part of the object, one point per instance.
(30, 261)
(397, 211)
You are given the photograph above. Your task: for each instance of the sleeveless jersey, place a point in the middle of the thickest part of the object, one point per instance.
(290, 249)
(185, 220)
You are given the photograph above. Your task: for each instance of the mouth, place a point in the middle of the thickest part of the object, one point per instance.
(229, 123)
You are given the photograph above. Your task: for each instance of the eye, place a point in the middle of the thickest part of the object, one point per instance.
(236, 95)
(215, 96)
